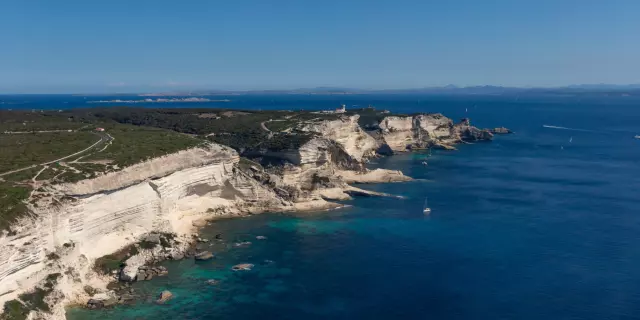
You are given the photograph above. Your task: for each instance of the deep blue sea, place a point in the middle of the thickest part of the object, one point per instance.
(529, 226)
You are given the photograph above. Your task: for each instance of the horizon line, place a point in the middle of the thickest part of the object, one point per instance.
(354, 90)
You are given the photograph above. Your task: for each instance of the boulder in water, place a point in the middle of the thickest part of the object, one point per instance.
(242, 267)
(164, 296)
(101, 300)
(204, 255)
(500, 130)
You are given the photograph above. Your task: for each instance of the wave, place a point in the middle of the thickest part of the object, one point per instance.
(160, 100)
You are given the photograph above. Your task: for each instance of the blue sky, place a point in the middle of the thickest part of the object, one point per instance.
(110, 46)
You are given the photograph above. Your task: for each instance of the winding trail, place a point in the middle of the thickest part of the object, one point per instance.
(264, 127)
(102, 139)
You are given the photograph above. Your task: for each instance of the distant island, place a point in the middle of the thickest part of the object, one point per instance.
(578, 90)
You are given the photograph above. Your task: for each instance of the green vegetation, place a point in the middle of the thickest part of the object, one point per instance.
(22, 176)
(277, 126)
(31, 301)
(147, 244)
(133, 144)
(22, 150)
(53, 256)
(370, 117)
(36, 121)
(239, 129)
(166, 239)
(246, 164)
(12, 204)
(14, 310)
(49, 173)
(114, 261)
(286, 141)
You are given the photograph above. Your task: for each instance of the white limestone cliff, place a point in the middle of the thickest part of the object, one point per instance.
(402, 133)
(346, 132)
(83, 221)
(114, 210)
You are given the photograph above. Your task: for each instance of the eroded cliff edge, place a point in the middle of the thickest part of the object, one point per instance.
(74, 224)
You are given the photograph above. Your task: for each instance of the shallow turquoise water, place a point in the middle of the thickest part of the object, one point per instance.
(520, 229)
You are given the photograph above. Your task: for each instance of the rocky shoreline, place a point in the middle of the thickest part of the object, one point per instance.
(113, 230)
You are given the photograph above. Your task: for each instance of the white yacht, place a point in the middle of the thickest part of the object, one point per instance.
(426, 209)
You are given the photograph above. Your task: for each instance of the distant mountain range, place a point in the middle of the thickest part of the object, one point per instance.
(581, 89)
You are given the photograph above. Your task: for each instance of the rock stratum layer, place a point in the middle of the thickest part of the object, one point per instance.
(81, 222)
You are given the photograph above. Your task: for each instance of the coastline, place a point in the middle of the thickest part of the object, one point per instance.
(154, 210)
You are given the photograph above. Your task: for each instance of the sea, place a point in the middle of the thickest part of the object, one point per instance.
(540, 224)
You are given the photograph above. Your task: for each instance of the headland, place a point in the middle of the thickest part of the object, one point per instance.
(95, 197)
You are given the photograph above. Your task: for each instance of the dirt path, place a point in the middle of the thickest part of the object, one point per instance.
(34, 183)
(102, 138)
(42, 131)
(264, 127)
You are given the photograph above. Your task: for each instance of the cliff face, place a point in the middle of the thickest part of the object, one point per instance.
(347, 133)
(83, 221)
(316, 152)
(99, 216)
(401, 133)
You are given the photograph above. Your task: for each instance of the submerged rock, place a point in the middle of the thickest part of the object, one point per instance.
(164, 296)
(242, 267)
(101, 300)
(501, 130)
(213, 282)
(242, 244)
(126, 298)
(141, 276)
(176, 255)
(95, 304)
(204, 255)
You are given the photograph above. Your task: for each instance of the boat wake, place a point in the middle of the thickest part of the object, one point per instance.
(565, 128)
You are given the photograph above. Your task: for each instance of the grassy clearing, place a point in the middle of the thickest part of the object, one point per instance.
(135, 144)
(22, 150)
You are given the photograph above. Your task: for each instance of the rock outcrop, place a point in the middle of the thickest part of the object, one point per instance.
(398, 134)
(347, 133)
(501, 130)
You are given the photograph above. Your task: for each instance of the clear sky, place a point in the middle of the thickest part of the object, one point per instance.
(135, 45)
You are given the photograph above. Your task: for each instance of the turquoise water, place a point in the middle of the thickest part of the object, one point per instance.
(529, 226)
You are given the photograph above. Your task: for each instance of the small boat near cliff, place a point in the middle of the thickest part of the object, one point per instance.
(636, 136)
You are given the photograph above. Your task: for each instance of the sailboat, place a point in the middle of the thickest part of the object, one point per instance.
(426, 209)
(570, 139)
